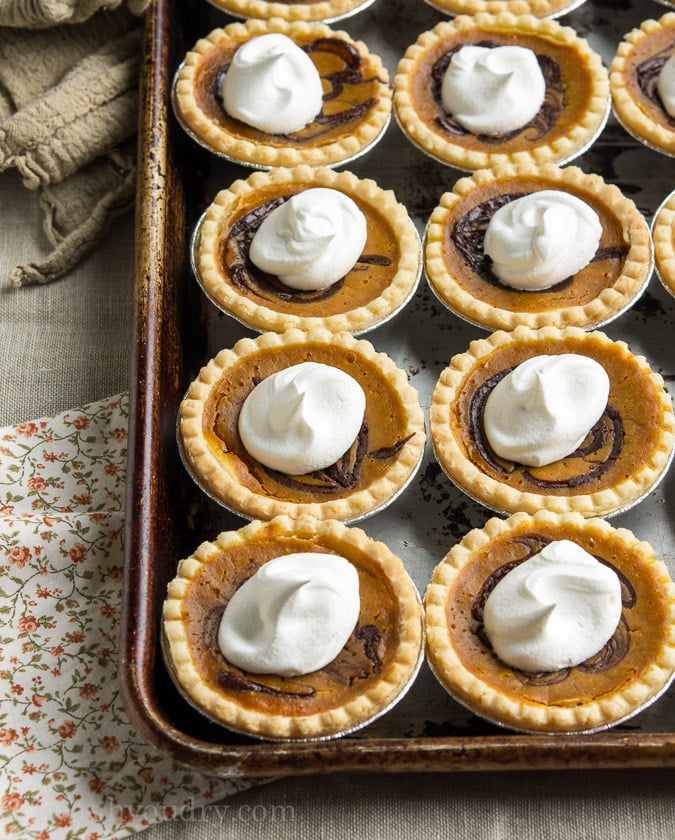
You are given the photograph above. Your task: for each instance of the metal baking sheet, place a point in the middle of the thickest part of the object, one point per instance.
(178, 329)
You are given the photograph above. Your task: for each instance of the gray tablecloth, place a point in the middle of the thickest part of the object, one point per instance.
(69, 343)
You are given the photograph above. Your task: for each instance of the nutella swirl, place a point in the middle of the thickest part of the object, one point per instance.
(250, 279)
(607, 434)
(647, 76)
(612, 652)
(554, 99)
(468, 236)
(351, 72)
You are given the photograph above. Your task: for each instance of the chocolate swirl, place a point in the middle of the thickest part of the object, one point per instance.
(468, 236)
(647, 76)
(352, 72)
(607, 434)
(610, 654)
(555, 100)
(344, 474)
(250, 279)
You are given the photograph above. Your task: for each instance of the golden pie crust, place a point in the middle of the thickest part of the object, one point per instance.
(577, 102)
(377, 468)
(663, 233)
(460, 276)
(621, 460)
(370, 675)
(631, 671)
(380, 283)
(357, 98)
(633, 76)
(538, 8)
(306, 10)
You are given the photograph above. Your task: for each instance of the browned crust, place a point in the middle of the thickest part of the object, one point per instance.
(524, 714)
(607, 305)
(226, 708)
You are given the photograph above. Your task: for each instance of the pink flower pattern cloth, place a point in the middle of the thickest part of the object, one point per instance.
(72, 764)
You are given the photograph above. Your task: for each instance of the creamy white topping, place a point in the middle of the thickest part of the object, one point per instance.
(312, 240)
(302, 418)
(542, 410)
(493, 90)
(666, 86)
(272, 85)
(293, 616)
(554, 610)
(541, 239)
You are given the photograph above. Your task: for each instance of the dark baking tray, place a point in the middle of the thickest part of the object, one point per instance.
(177, 330)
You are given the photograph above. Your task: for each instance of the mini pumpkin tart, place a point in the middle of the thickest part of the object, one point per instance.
(384, 272)
(570, 79)
(538, 8)
(636, 76)
(382, 626)
(601, 442)
(302, 10)
(598, 286)
(628, 671)
(311, 394)
(572, 82)
(349, 83)
(663, 233)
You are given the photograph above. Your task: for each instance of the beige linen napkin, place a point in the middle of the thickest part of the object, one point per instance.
(71, 764)
(68, 116)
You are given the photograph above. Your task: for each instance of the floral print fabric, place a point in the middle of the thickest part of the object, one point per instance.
(72, 764)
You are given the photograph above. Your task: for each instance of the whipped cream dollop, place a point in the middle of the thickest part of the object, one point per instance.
(554, 610)
(542, 239)
(293, 616)
(303, 418)
(542, 410)
(312, 240)
(493, 90)
(666, 86)
(272, 85)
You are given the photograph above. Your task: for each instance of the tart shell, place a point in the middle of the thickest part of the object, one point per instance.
(326, 11)
(195, 670)
(418, 113)
(646, 441)
(593, 297)
(206, 121)
(392, 237)
(644, 119)
(538, 8)
(663, 233)
(223, 469)
(580, 701)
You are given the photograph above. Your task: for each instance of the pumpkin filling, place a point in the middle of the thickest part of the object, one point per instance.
(350, 86)
(366, 281)
(569, 90)
(382, 437)
(617, 446)
(369, 652)
(640, 634)
(470, 267)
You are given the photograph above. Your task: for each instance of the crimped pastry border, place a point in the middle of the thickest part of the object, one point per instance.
(321, 10)
(364, 707)
(522, 714)
(610, 303)
(218, 480)
(263, 318)
(538, 8)
(439, 147)
(663, 233)
(501, 497)
(627, 111)
(262, 154)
